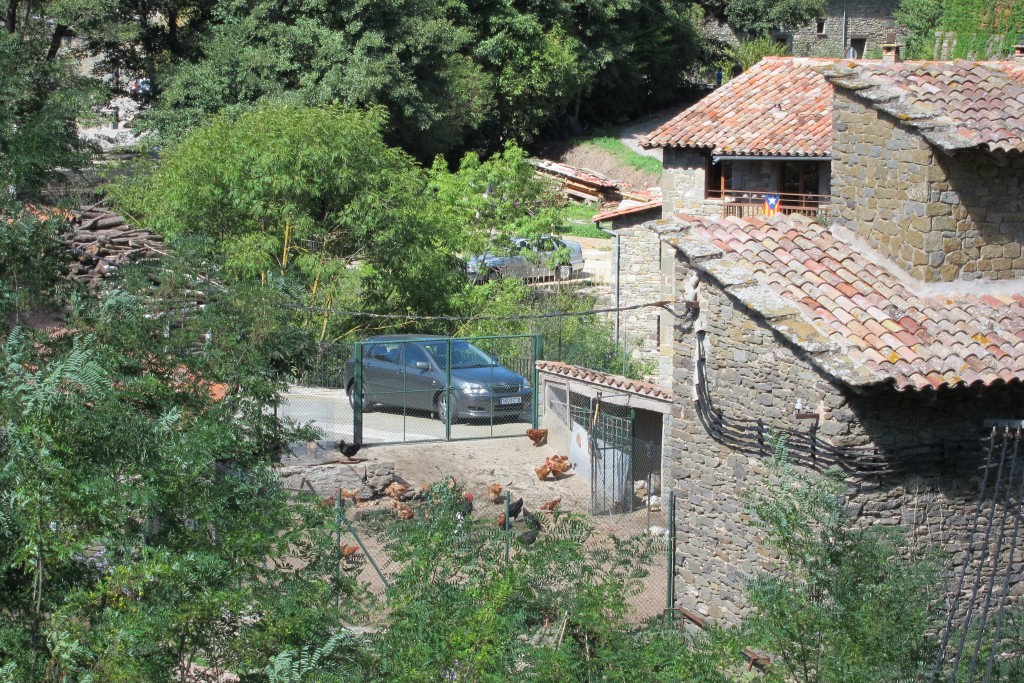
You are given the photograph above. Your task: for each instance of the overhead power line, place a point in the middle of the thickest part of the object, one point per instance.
(465, 318)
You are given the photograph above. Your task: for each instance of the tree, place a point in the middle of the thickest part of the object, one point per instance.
(846, 603)
(305, 192)
(982, 29)
(758, 18)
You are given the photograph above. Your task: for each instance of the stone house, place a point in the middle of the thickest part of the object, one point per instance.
(767, 131)
(854, 28)
(856, 341)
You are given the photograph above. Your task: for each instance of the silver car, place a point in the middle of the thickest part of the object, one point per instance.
(530, 260)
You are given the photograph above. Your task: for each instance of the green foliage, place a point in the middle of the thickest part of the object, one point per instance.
(758, 18)
(40, 98)
(983, 29)
(556, 612)
(845, 602)
(453, 76)
(32, 260)
(141, 525)
(311, 194)
(749, 52)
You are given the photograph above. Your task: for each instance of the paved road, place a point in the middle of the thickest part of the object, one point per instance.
(329, 410)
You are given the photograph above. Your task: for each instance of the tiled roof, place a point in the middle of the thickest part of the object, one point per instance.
(617, 382)
(857, 311)
(780, 106)
(954, 105)
(627, 210)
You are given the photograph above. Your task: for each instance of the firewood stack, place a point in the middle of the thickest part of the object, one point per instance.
(102, 241)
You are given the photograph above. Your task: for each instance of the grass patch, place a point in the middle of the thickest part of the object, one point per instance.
(578, 221)
(624, 155)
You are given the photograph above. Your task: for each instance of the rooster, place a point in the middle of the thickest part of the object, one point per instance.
(349, 450)
(537, 436)
(551, 504)
(496, 493)
(467, 505)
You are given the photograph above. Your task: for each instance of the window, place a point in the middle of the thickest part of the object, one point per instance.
(820, 27)
(857, 46)
(798, 179)
(414, 355)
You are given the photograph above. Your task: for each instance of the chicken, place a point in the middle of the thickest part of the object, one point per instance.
(396, 490)
(348, 449)
(350, 493)
(543, 471)
(529, 537)
(515, 508)
(551, 504)
(537, 436)
(532, 521)
(496, 493)
(467, 504)
(404, 511)
(349, 550)
(501, 520)
(558, 464)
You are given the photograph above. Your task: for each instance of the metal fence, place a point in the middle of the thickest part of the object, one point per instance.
(362, 554)
(407, 388)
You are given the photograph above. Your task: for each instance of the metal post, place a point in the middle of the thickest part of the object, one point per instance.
(670, 589)
(362, 547)
(508, 511)
(357, 395)
(338, 514)
(448, 392)
(538, 351)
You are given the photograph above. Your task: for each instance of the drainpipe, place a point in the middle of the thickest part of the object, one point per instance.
(845, 30)
(618, 256)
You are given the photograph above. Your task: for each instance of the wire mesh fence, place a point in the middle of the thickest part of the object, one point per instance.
(362, 552)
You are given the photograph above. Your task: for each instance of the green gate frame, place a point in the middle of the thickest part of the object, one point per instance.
(537, 349)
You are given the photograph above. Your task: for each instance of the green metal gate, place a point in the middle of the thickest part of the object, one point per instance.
(410, 388)
(610, 427)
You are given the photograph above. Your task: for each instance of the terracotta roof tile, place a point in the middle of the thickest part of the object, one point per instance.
(780, 106)
(646, 389)
(955, 105)
(913, 339)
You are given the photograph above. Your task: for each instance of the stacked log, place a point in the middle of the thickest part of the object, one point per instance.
(102, 241)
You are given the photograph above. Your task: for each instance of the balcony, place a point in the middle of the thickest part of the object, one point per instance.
(750, 203)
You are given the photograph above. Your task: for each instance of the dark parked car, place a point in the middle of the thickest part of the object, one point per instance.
(411, 371)
(529, 259)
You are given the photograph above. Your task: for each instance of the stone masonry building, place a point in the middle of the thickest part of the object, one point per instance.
(867, 354)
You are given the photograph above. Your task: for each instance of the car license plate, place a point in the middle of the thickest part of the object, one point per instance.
(509, 400)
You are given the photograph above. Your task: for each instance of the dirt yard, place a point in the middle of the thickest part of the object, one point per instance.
(510, 461)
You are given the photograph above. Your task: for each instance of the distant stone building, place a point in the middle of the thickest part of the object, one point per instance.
(855, 28)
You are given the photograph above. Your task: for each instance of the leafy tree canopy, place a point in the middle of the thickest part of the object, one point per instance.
(983, 29)
(761, 17)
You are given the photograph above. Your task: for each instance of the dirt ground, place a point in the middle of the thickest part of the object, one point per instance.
(476, 464)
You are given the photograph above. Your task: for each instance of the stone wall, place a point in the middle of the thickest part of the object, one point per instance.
(867, 19)
(939, 217)
(646, 275)
(753, 373)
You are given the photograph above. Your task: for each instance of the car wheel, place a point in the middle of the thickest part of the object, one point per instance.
(442, 409)
(367, 403)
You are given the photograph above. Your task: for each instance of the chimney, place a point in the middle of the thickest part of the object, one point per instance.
(1018, 50)
(890, 50)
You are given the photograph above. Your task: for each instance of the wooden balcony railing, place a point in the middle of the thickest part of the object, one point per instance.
(747, 203)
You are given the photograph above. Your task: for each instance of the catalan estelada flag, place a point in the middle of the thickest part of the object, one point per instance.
(771, 204)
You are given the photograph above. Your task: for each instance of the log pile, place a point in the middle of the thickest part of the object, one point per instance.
(102, 241)
(580, 184)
